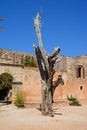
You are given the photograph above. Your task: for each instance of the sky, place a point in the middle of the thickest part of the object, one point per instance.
(64, 24)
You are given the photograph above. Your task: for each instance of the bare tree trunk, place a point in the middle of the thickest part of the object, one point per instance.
(46, 102)
(46, 84)
(46, 67)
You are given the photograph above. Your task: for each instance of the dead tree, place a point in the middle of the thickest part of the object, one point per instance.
(46, 64)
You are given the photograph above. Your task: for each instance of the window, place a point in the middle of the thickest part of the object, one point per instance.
(80, 72)
(81, 87)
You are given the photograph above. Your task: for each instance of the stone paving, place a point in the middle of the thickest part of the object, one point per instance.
(66, 118)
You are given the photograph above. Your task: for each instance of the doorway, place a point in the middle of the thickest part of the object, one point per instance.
(5, 87)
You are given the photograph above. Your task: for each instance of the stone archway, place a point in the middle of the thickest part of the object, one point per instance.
(6, 80)
(16, 71)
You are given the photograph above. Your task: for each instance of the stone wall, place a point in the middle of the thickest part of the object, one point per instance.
(13, 57)
(32, 85)
(77, 87)
(28, 79)
(16, 71)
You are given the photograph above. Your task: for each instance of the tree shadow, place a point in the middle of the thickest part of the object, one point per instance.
(39, 107)
(55, 111)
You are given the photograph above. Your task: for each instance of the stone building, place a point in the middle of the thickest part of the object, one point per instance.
(72, 69)
(74, 73)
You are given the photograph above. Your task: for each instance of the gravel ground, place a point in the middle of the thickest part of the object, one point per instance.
(65, 118)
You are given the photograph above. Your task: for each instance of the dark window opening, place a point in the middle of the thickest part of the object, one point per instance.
(80, 72)
(81, 87)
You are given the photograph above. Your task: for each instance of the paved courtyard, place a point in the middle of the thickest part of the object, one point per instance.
(66, 118)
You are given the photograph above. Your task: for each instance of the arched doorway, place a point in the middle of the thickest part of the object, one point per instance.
(5, 86)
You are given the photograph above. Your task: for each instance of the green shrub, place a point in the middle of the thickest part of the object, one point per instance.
(20, 99)
(5, 80)
(29, 61)
(73, 101)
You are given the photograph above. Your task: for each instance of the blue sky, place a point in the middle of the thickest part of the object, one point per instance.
(64, 24)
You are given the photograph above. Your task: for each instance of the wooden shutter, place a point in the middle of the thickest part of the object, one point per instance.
(77, 74)
(83, 72)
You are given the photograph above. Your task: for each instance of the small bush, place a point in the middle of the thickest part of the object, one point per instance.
(73, 101)
(20, 99)
(29, 61)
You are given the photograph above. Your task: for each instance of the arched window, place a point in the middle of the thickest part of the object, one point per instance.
(80, 71)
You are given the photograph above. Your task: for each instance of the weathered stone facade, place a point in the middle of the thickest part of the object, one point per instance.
(12, 57)
(74, 73)
(72, 69)
(73, 85)
(16, 72)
